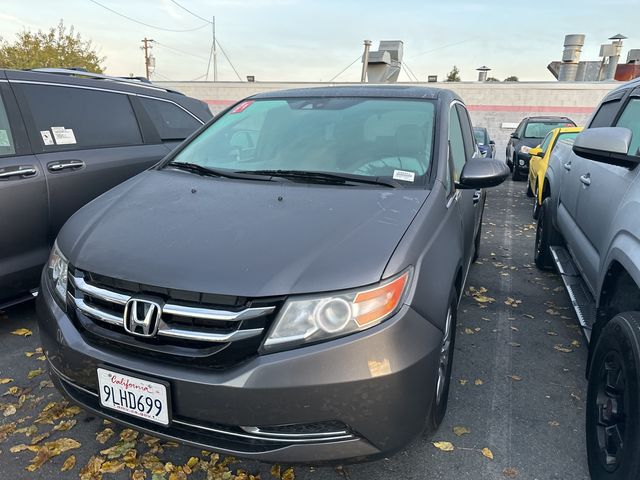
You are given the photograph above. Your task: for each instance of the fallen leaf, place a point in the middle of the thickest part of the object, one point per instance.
(42, 358)
(65, 425)
(459, 431)
(69, 463)
(138, 475)
(528, 316)
(553, 334)
(510, 472)
(478, 381)
(487, 453)
(515, 329)
(35, 373)
(112, 466)
(468, 331)
(29, 354)
(50, 450)
(39, 438)
(575, 343)
(552, 311)
(118, 449)
(562, 348)
(104, 435)
(553, 423)
(463, 381)
(9, 410)
(128, 435)
(23, 332)
(514, 344)
(444, 446)
(517, 378)
(4, 381)
(91, 471)
(46, 384)
(275, 471)
(288, 474)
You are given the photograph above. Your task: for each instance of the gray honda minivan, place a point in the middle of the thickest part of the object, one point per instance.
(284, 285)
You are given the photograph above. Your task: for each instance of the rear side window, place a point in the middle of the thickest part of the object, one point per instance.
(6, 140)
(605, 115)
(467, 132)
(630, 119)
(68, 118)
(171, 121)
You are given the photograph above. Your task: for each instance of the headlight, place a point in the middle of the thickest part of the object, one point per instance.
(58, 266)
(525, 149)
(316, 318)
(521, 162)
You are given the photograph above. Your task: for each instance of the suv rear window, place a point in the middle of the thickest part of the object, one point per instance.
(171, 121)
(540, 129)
(69, 118)
(6, 140)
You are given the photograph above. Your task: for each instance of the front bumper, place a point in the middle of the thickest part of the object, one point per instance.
(522, 163)
(378, 385)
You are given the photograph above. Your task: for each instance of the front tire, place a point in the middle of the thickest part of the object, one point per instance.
(515, 173)
(613, 401)
(529, 189)
(443, 379)
(546, 236)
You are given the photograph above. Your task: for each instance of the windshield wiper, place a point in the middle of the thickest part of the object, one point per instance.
(214, 172)
(326, 177)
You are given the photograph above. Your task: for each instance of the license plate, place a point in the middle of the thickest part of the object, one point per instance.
(134, 396)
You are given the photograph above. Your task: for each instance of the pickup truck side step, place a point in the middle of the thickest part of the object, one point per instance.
(581, 299)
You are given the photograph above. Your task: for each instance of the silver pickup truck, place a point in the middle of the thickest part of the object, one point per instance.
(589, 228)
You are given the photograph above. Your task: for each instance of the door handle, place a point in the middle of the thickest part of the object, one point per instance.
(586, 179)
(477, 195)
(24, 171)
(64, 165)
(567, 166)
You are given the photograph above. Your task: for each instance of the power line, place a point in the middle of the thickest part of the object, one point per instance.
(405, 65)
(228, 60)
(189, 11)
(345, 69)
(147, 24)
(406, 72)
(182, 52)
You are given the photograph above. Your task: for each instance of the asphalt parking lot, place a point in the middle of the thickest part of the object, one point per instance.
(518, 390)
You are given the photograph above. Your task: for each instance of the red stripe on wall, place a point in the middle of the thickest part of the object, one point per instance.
(220, 102)
(529, 108)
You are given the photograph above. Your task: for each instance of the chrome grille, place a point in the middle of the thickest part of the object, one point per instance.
(178, 321)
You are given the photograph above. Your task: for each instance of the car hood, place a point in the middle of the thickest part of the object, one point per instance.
(177, 230)
(530, 142)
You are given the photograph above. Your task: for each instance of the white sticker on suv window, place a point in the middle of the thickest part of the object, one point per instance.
(63, 136)
(47, 139)
(404, 175)
(4, 139)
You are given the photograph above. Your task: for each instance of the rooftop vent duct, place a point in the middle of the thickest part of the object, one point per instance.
(570, 57)
(383, 65)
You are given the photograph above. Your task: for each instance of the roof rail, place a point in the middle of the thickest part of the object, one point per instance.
(80, 72)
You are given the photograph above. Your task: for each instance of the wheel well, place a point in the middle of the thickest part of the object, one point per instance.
(546, 189)
(619, 293)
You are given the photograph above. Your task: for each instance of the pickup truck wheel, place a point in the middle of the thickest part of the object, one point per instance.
(443, 380)
(529, 189)
(613, 401)
(546, 236)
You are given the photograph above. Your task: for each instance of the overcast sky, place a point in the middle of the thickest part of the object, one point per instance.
(313, 40)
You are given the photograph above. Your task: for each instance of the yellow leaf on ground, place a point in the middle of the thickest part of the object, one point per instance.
(444, 446)
(138, 475)
(478, 382)
(69, 463)
(575, 343)
(35, 373)
(65, 425)
(468, 331)
(517, 378)
(104, 435)
(553, 334)
(275, 471)
(459, 431)
(562, 348)
(9, 410)
(553, 423)
(112, 466)
(463, 381)
(91, 470)
(23, 332)
(4, 381)
(487, 453)
(288, 474)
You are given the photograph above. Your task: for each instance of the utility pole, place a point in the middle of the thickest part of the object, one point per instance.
(147, 58)
(365, 60)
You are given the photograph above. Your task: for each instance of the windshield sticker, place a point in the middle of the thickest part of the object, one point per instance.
(404, 175)
(4, 139)
(47, 139)
(63, 136)
(242, 107)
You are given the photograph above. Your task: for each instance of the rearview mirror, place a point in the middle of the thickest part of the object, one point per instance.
(491, 142)
(515, 135)
(607, 145)
(483, 173)
(536, 152)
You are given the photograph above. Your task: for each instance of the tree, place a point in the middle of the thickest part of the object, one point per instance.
(512, 78)
(453, 75)
(492, 79)
(57, 48)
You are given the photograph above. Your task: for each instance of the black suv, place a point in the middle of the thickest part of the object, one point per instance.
(64, 140)
(529, 134)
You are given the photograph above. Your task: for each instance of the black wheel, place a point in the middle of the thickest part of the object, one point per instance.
(613, 401)
(536, 205)
(515, 175)
(443, 379)
(476, 243)
(546, 236)
(529, 189)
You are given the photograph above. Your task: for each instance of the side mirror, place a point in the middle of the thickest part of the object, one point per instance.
(515, 135)
(536, 152)
(483, 173)
(606, 145)
(491, 142)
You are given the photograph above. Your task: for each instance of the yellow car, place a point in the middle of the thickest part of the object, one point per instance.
(540, 159)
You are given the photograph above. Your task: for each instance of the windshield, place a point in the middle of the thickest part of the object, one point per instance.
(481, 138)
(540, 129)
(363, 136)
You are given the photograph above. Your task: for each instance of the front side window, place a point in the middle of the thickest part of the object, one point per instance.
(540, 129)
(6, 139)
(567, 136)
(546, 141)
(68, 118)
(630, 119)
(481, 137)
(362, 136)
(456, 144)
(171, 121)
